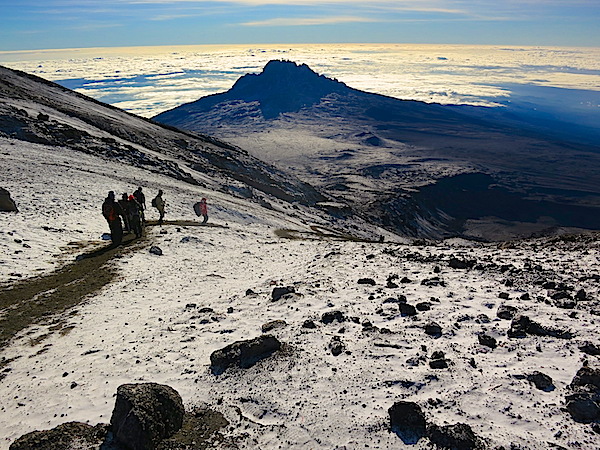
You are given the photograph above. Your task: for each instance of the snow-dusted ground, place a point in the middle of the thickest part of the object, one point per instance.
(150, 325)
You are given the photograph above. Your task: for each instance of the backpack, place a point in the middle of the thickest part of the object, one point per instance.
(108, 211)
(154, 202)
(197, 209)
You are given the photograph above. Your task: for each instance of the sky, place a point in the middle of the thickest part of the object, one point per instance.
(59, 24)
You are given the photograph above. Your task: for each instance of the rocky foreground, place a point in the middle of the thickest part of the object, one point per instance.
(431, 345)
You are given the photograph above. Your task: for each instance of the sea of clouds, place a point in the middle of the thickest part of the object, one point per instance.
(564, 82)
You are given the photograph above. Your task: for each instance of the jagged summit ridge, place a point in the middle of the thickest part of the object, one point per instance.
(284, 86)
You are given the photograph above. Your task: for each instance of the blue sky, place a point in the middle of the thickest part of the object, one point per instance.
(44, 24)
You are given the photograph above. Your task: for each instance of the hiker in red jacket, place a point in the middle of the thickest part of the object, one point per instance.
(201, 209)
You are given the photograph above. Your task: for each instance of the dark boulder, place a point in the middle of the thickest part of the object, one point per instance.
(66, 436)
(423, 306)
(368, 281)
(407, 421)
(407, 310)
(522, 325)
(336, 346)
(145, 414)
(487, 341)
(155, 250)
(459, 436)
(433, 329)
(506, 312)
(333, 316)
(309, 324)
(273, 325)
(584, 407)
(541, 381)
(584, 403)
(7, 204)
(590, 349)
(435, 281)
(438, 363)
(586, 377)
(279, 292)
(243, 354)
(456, 263)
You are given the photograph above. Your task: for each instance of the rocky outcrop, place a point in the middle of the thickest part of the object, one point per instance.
(145, 414)
(407, 421)
(584, 403)
(7, 204)
(522, 325)
(243, 354)
(280, 292)
(66, 436)
(459, 436)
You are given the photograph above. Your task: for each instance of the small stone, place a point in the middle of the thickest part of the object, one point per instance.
(506, 312)
(407, 310)
(309, 324)
(433, 329)
(541, 381)
(438, 364)
(487, 341)
(155, 250)
(279, 292)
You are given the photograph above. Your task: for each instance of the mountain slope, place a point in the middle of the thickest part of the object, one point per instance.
(39, 111)
(379, 154)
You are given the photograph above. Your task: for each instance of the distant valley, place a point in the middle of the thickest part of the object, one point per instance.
(419, 169)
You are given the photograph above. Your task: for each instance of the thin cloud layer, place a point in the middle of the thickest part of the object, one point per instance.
(32, 24)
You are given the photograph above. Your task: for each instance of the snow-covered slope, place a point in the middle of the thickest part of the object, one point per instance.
(161, 317)
(374, 152)
(35, 110)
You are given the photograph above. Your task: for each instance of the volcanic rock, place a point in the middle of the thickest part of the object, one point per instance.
(279, 292)
(331, 316)
(145, 414)
(273, 325)
(522, 325)
(66, 436)
(541, 381)
(243, 354)
(407, 310)
(7, 204)
(487, 340)
(407, 421)
(433, 329)
(459, 436)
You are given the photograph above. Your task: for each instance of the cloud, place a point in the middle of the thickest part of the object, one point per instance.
(307, 21)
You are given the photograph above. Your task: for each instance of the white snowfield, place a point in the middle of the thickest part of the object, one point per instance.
(163, 316)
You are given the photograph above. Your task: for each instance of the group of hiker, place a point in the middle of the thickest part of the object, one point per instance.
(131, 208)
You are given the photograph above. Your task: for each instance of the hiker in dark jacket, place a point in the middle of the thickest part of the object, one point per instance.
(134, 211)
(124, 203)
(141, 199)
(113, 212)
(159, 204)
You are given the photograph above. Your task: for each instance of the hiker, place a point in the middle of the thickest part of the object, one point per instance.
(201, 209)
(141, 199)
(124, 203)
(111, 211)
(133, 214)
(159, 204)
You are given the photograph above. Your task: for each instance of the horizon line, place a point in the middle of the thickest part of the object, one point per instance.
(61, 49)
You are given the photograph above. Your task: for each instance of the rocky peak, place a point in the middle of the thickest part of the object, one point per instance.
(284, 86)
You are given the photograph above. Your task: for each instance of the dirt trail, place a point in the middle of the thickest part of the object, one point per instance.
(40, 299)
(37, 299)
